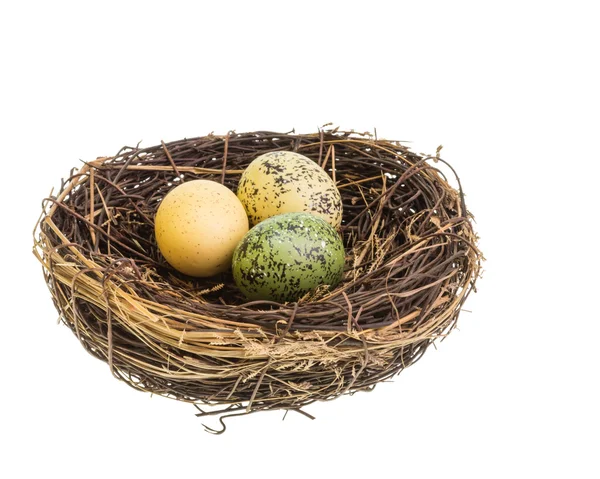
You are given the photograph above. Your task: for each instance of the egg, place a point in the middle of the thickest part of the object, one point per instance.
(286, 182)
(286, 256)
(198, 225)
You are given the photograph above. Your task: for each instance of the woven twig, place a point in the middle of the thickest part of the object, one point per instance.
(411, 261)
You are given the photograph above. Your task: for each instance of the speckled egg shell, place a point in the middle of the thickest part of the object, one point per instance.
(198, 225)
(285, 182)
(286, 256)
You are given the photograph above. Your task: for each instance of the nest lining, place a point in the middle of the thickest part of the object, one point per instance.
(411, 261)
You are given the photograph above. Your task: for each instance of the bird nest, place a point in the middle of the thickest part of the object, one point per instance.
(411, 261)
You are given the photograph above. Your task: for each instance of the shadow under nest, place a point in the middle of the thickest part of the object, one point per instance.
(411, 261)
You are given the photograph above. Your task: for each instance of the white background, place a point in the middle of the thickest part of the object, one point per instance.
(511, 91)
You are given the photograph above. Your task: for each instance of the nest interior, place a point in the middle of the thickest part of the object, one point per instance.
(411, 261)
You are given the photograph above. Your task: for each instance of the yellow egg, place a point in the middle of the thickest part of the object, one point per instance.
(286, 182)
(198, 225)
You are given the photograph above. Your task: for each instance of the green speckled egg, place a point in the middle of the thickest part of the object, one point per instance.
(286, 256)
(286, 182)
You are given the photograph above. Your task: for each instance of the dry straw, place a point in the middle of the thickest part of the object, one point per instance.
(411, 261)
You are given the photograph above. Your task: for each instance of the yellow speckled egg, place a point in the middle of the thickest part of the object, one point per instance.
(287, 182)
(198, 225)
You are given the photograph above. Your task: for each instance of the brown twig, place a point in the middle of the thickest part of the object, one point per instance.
(225, 159)
(170, 159)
